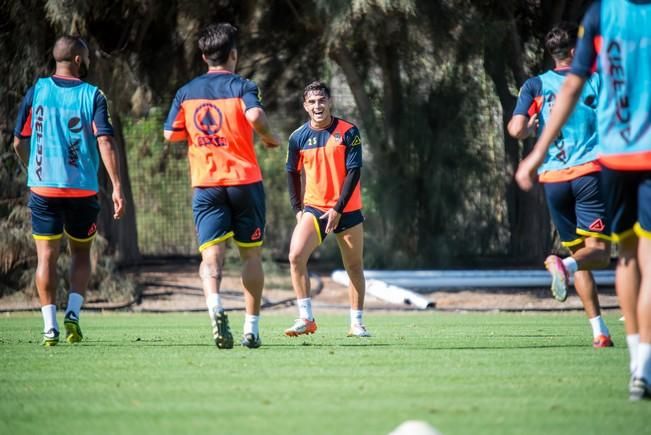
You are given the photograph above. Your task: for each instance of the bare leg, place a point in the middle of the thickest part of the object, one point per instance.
(305, 240)
(252, 278)
(627, 282)
(211, 268)
(47, 252)
(644, 298)
(594, 253)
(351, 246)
(80, 267)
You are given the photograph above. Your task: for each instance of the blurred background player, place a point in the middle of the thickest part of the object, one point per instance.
(570, 177)
(329, 151)
(61, 123)
(614, 39)
(216, 113)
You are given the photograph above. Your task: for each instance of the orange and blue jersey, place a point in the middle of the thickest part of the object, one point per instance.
(574, 152)
(614, 39)
(326, 156)
(62, 116)
(209, 112)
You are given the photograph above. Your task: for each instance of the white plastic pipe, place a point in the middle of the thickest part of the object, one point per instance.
(456, 279)
(388, 293)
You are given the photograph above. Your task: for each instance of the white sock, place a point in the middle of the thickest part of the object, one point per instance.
(214, 303)
(633, 342)
(599, 327)
(356, 317)
(643, 369)
(251, 324)
(570, 265)
(49, 317)
(75, 301)
(305, 308)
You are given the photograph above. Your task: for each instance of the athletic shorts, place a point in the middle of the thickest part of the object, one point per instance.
(229, 211)
(51, 216)
(578, 209)
(347, 220)
(628, 202)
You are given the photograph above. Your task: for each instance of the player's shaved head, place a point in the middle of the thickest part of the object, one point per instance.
(67, 47)
(318, 88)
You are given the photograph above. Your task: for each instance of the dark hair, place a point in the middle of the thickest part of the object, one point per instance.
(318, 87)
(561, 40)
(67, 47)
(216, 42)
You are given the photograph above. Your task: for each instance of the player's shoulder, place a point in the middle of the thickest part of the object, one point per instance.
(533, 85)
(300, 133)
(345, 126)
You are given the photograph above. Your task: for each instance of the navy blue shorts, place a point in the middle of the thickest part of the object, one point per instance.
(578, 209)
(628, 202)
(347, 220)
(51, 216)
(231, 211)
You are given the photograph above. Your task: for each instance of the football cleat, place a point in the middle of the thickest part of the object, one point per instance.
(51, 338)
(639, 389)
(251, 341)
(73, 331)
(358, 330)
(560, 278)
(221, 332)
(300, 327)
(602, 341)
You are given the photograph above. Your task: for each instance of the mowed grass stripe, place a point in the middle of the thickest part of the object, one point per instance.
(464, 373)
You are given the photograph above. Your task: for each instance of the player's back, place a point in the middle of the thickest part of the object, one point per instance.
(624, 58)
(210, 111)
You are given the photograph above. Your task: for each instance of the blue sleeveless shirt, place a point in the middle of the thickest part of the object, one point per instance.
(63, 149)
(577, 142)
(625, 61)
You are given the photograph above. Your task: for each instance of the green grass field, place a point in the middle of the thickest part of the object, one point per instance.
(463, 373)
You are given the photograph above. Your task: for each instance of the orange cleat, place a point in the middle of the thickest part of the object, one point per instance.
(602, 341)
(301, 327)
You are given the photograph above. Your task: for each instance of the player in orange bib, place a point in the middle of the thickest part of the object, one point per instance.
(329, 151)
(217, 113)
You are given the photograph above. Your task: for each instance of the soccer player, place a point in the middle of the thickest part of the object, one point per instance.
(570, 177)
(216, 113)
(614, 39)
(329, 151)
(61, 124)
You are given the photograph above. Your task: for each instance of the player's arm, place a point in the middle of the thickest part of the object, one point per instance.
(108, 150)
(255, 115)
(583, 65)
(524, 122)
(21, 147)
(174, 129)
(23, 127)
(294, 185)
(258, 120)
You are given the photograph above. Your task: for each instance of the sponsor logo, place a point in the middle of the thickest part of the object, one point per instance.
(92, 230)
(208, 120)
(75, 126)
(256, 234)
(617, 77)
(38, 129)
(597, 226)
(356, 141)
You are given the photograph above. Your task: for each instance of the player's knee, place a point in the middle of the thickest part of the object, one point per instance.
(296, 257)
(210, 270)
(355, 267)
